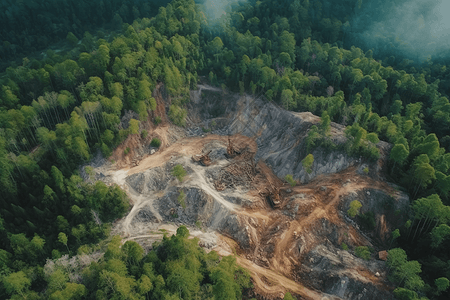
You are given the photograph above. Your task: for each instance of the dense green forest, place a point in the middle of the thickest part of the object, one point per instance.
(57, 111)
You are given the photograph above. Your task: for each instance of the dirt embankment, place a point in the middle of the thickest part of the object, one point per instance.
(289, 238)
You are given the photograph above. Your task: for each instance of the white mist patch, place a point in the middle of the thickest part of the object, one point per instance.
(217, 11)
(441, 26)
(417, 28)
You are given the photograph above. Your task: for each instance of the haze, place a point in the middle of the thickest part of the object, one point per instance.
(418, 29)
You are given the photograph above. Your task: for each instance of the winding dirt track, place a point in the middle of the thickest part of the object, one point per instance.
(276, 279)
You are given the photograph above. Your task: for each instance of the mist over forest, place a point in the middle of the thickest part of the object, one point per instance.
(417, 30)
(79, 78)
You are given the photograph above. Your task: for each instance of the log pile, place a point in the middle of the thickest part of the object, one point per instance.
(240, 173)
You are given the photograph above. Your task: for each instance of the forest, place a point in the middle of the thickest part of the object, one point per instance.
(59, 108)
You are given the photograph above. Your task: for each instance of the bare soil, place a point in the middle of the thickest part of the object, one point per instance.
(280, 237)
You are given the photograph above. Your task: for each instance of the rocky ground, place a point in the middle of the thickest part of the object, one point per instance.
(290, 238)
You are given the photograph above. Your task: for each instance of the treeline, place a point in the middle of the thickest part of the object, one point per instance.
(29, 26)
(176, 268)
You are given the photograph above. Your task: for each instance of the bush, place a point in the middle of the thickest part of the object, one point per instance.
(179, 172)
(363, 252)
(155, 142)
(198, 223)
(366, 170)
(126, 151)
(105, 150)
(344, 246)
(355, 205)
(144, 133)
(177, 115)
(290, 180)
(181, 199)
(157, 120)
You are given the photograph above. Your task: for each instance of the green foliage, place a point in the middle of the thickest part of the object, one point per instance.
(288, 296)
(290, 180)
(155, 142)
(144, 134)
(295, 56)
(404, 271)
(177, 115)
(16, 283)
(442, 284)
(363, 252)
(367, 220)
(182, 199)
(134, 126)
(179, 172)
(307, 163)
(157, 120)
(126, 151)
(344, 246)
(366, 170)
(198, 224)
(353, 211)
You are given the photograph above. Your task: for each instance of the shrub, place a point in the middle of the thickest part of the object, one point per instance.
(366, 170)
(105, 150)
(355, 205)
(288, 296)
(290, 180)
(126, 151)
(198, 223)
(177, 115)
(157, 120)
(179, 172)
(344, 246)
(155, 142)
(144, 133)
(363, 252)
(181, 199)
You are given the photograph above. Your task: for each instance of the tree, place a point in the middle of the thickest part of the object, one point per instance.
(442, 284)
(439, 234)
(405, 294)
(313, 136)
(290, 180)
(325, 124)
(177, 115)
(179, 172)
(287, 99)
(396, 258)
(134, 126)
(72, 39)
(355, 205)
(307, 163)
(62, 238)
(395, 235)
(399, 153)
(16, 283)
